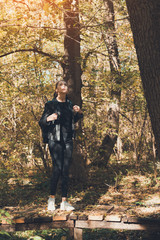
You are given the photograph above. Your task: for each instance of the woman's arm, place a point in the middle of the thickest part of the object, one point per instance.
(52, 117)
(47, 117)
(79, 113)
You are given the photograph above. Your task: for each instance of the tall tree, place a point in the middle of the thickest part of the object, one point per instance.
(113, 113)
(145, 25)
(72, 65)
(72, 73)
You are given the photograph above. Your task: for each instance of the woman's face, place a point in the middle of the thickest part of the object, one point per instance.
(62, 87)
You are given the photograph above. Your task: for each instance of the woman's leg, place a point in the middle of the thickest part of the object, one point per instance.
(56, 151)
(65, 176)
(68, 149)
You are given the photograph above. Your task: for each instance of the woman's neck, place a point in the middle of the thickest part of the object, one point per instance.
(61, 97)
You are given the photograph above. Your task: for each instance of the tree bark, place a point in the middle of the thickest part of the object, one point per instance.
(72, 64)
(109, 37)
(72, 75)
(145, 25)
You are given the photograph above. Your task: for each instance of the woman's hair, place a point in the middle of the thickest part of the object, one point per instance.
(57, 83)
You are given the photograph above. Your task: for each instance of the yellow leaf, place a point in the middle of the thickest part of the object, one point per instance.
(46, 8)
(63, 238)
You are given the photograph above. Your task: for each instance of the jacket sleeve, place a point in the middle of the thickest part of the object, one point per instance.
(43, 120)
(78, 116)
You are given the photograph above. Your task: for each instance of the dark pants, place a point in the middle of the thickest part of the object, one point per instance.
(61, 154)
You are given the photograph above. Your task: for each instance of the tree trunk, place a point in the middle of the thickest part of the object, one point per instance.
(109, 37)
(145, 25)
(72, 75)
(72, 64)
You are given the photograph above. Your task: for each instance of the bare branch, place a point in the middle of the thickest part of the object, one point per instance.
(123, 115)
(90, 52)
(35, 51)
(30, 26)
(22, 3)
(103, 24)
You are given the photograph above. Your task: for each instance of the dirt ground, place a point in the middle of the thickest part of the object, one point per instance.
(129, 190)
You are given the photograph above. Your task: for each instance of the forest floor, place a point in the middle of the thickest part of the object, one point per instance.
(129, 189)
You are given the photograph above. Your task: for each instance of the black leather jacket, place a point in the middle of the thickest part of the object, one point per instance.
(51, 129)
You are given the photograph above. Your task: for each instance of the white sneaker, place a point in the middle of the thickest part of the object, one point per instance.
(65, 206)
(51, 204)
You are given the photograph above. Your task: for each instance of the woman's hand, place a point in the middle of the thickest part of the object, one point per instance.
(76, 109)
(52, 117)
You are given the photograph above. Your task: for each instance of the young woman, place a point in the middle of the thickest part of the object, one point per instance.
(58, 121)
